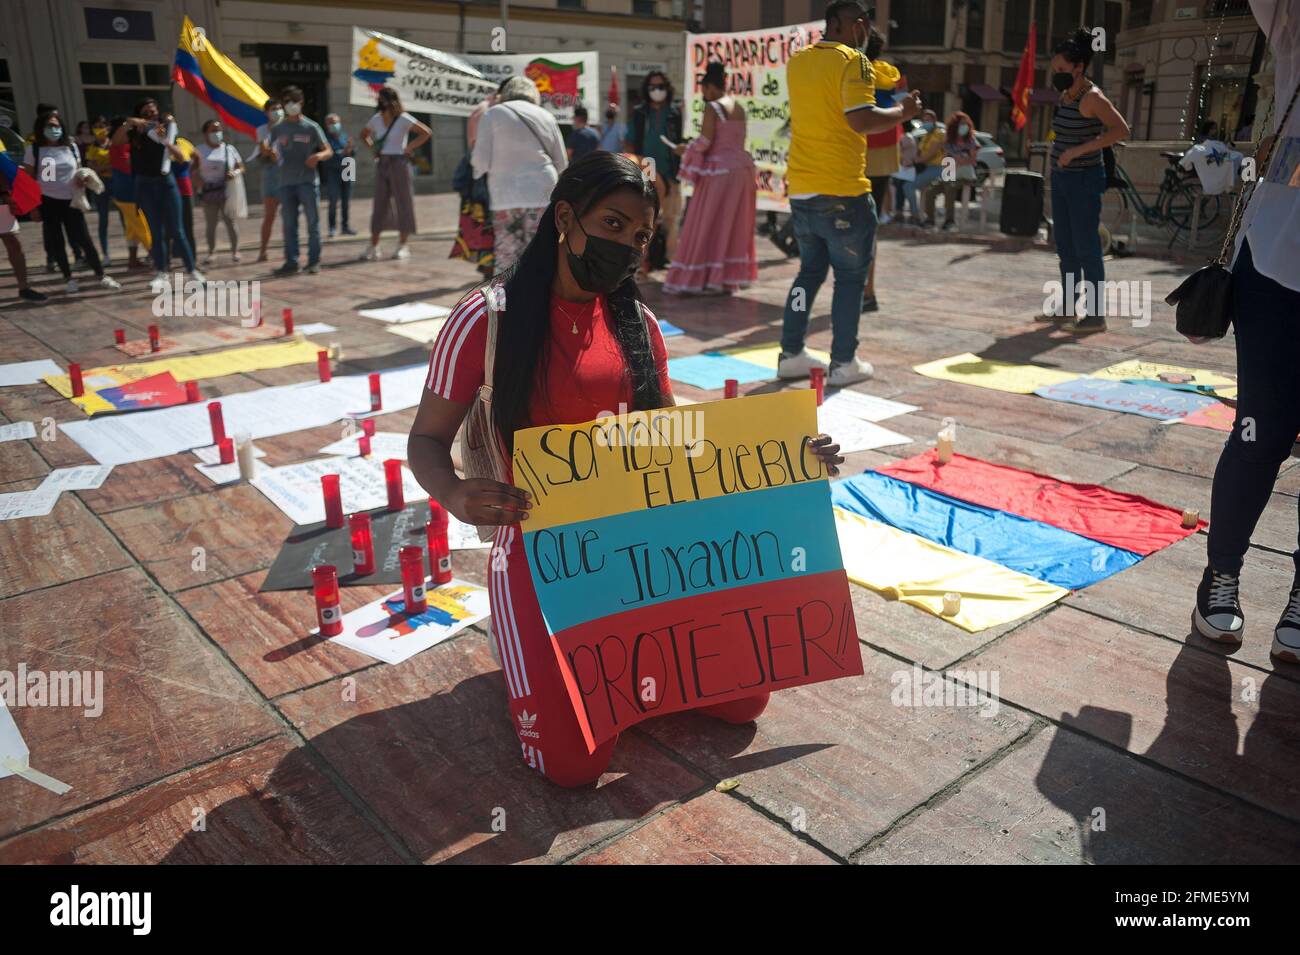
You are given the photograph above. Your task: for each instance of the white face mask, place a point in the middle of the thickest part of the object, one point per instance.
(963, 130)
(293, 109)
(215, 138)
(658, 95)
(276, 115)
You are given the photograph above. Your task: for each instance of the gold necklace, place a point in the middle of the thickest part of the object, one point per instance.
(560, 305)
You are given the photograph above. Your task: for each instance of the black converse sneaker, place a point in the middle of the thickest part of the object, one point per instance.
(1218, 613)
(1286, 638)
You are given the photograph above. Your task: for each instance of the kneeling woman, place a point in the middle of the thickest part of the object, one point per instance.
(573, 342)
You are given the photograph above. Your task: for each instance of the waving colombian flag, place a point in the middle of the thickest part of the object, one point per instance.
(204, 71)
(22, 188)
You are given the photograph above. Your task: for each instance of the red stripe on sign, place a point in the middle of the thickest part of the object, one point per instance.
(707, 649)
(1130, 521)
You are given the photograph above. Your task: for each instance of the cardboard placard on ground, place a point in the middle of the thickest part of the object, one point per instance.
(309, 545)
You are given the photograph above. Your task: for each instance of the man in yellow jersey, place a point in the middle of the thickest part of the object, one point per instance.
(832, 109)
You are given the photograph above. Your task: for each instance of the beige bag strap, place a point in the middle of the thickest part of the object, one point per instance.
(490, 349)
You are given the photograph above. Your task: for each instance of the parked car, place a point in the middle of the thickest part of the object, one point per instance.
(990, 159)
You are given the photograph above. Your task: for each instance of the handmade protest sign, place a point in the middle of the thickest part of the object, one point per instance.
(685, 557)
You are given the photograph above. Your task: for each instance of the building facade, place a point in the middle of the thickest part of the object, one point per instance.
(93, 57)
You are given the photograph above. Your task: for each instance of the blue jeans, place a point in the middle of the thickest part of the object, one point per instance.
(339, 191)
(834, 232)
(1076, 215)
(905, 192)
(307, 196)
(160, 201)
(1268, 404)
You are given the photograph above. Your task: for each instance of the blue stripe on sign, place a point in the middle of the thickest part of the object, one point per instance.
(1040, 550)
(641, 558)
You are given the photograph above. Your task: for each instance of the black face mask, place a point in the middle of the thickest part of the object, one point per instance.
(604, 265)
(1062, 81)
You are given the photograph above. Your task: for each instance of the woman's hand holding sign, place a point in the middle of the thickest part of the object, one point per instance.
(481, 501)
(828, 452)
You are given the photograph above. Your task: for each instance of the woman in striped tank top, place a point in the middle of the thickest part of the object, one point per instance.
(1085, 123)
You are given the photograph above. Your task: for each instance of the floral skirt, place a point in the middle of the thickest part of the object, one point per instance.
(512, 230)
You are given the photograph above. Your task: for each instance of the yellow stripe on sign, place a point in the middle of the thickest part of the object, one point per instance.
(232, 361)
(901, 566)
(646, 459)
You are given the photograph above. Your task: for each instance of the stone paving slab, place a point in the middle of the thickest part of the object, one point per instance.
(169, 700)
(1063, 798)
(1202, 715)
(260, 806)
(65, 545)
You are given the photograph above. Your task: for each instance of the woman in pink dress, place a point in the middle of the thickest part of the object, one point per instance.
(715, 254)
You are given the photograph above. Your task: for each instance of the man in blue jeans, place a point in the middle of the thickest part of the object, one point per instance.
(832, 109)
(299, 146)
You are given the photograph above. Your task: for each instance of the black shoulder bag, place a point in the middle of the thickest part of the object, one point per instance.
(1204, 299)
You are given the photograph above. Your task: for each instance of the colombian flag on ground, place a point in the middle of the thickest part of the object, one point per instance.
(20, 185)
(204, 71)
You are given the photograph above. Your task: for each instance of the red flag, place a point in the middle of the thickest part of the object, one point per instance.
(1024, 83)
(613, 86)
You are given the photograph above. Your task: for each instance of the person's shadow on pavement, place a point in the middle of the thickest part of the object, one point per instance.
(1121, 819)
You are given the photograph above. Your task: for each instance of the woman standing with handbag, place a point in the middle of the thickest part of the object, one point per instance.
(1265, 312)
(577, 343)
(389, 134)
(221, 171)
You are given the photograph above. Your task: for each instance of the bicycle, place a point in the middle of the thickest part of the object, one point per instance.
(1175, 202)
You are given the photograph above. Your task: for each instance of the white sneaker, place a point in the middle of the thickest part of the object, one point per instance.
(72, 287)
(110, 283)
(849, 372)
(371, 254)
(159, 283)
(197, 276)
(1286, 638)
(885, 219)
(797, 366)
(402, 252)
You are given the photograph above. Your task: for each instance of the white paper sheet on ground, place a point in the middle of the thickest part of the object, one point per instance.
(27, 372)
(379, 632)
(264, 413)
(866, 407)
(35, 503)
(383, 445)
(15, 759)
(212, 454)
(462, 536)
(853, 434)
(407, 312)
(295, 488)
(423, 332)
(228, 473)
(315, 328)
(17, 431)
(85, 477)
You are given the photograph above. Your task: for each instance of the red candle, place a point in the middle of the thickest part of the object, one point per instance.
(191, 391)
(393, 475)
(368, 427)
(730, 388)
(323, 365)
(412, 561)
(818, 376)
(329, 485)
(218, 423)
(363, 545)
(227, 448)
(287, 315)
(74, 375)
(325, 586)
(155, 343)
(119, 336)
(439, 548)
(363, 446)
(376, 402)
